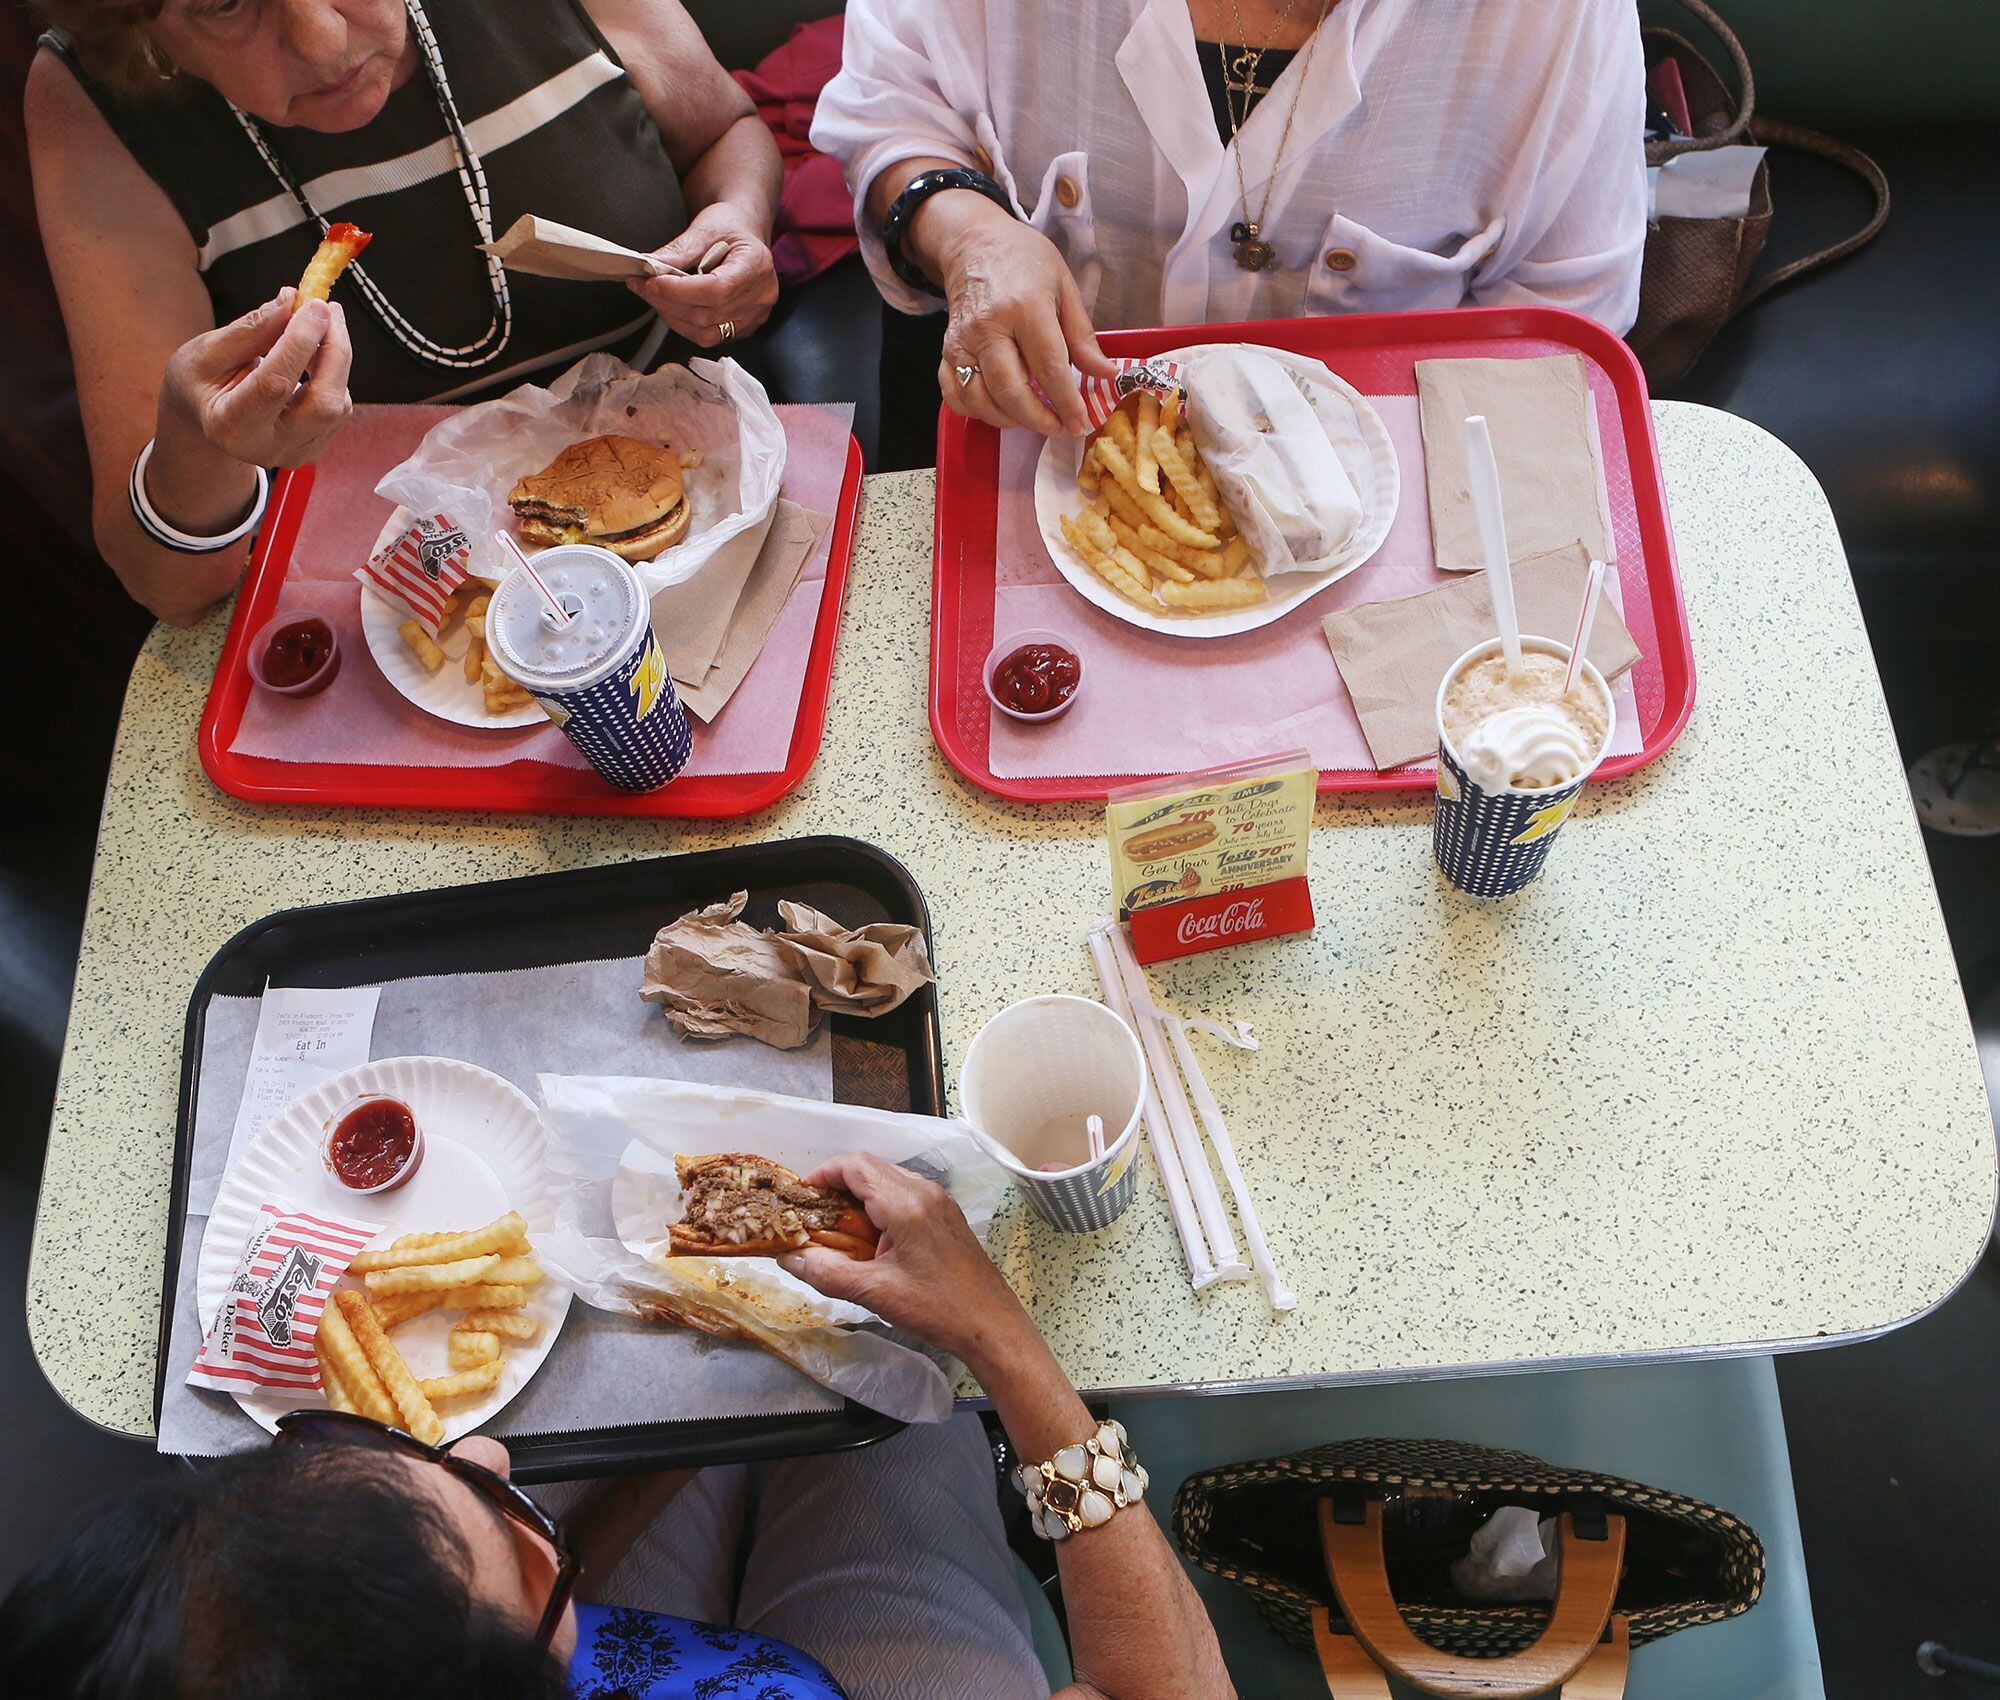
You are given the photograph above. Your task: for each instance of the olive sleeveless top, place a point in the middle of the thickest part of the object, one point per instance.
(560, 130)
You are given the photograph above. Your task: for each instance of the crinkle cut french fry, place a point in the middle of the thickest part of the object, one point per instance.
(393, 1310)
(1170, 412)
(1119, 431)
(1105, 567)
(485, 1297)
(335, 1344)
(412, 1407)
(1200, 509)
(481, 1378)
(1155, 508)
(429, 1277)
(1144, 462)
(428, 655)
(1236, 558)
(1212, 595)
(506, 1236)
(333, 256)
(335, 1389)
(1165, 566)
(475, 658)
(509, 1325)
(469, 1348)
(514, 1272)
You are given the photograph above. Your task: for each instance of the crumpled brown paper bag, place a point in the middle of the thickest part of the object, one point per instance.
(715, 976)
(861, 970)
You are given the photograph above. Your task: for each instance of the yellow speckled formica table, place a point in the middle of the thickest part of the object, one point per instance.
(1708, 1088)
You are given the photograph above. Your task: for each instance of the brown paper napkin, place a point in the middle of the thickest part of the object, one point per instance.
(1392, 655)
(549, 249)
(715, 976)
(787, 547)
(1551, 485)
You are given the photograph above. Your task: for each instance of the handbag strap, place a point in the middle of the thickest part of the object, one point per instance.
(1746, 91)
(1585, 1593)
(1772, 133)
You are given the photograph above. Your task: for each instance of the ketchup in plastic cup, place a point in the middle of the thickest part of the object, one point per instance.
(295, 655)
(1033, 675)
(373, 1143)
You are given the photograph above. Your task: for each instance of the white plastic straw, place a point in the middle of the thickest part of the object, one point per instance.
(1281, 1297)
(1094, 1131)
(1584, 621)
(1229, 1265)
(557, 612)
(1483, 475)
(1166, 1156)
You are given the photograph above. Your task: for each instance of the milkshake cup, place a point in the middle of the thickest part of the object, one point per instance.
(1031, 1080)
(1503, 794)
(602, 677)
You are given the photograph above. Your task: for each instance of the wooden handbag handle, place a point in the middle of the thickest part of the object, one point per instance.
(1352, 1675)
(1585, 1593)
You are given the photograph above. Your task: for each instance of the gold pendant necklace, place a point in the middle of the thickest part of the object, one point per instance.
(1250, 249)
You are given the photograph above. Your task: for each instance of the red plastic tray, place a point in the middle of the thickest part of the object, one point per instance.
(1377, 353)
(522, 787)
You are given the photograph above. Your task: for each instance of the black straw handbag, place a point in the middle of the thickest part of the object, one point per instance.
(1347, 1549)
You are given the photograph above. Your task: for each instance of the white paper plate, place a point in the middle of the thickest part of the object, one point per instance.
(444, 693)
(1377, 480)
(646, 1197)
(485, 1151)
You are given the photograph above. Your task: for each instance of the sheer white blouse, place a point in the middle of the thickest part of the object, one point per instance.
(1441, 152)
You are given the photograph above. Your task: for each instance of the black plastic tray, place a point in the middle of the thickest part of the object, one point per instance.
(893, 1062)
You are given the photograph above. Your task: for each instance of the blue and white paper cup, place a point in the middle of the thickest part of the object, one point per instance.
(1030, 1082)
(1491, 843)
(602, 677)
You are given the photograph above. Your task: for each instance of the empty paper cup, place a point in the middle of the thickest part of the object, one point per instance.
(1032, 1079)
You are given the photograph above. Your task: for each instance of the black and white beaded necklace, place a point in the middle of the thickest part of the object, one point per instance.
(472, 179)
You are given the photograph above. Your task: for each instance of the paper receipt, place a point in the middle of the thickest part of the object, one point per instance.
(304, 1033)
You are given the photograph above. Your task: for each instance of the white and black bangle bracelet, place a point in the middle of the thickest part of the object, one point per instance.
(181, 542)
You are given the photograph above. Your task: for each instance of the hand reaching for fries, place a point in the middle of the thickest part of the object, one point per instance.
(484, 1274)
(1156, 530)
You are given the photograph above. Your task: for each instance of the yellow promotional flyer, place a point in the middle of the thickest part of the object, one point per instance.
(1203, 834)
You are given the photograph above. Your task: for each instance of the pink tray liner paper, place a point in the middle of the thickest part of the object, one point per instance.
(360, 718)
(1158, 704)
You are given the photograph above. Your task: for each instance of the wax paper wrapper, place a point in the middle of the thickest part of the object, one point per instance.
(598, 1177)
(465, 466)
(263, 1334)
(714, 975)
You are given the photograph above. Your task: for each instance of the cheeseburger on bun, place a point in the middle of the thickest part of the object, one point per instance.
(616, 492)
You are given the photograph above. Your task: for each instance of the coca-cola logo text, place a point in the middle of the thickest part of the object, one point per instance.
(1225, 922)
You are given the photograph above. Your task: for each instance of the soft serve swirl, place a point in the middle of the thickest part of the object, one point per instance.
(1524, 733)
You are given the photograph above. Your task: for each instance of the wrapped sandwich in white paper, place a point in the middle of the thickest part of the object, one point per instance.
(1272, 459)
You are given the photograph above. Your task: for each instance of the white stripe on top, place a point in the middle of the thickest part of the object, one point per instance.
(520, 117)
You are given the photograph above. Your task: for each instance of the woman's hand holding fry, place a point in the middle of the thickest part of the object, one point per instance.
(268, 389)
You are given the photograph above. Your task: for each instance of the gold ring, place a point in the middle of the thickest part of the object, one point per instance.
(726, 330)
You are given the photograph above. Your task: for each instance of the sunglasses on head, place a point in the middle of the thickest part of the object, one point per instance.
(349, 1428)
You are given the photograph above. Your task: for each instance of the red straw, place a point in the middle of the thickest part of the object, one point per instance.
(562, 615)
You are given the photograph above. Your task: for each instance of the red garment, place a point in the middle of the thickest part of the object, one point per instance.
(815, 213)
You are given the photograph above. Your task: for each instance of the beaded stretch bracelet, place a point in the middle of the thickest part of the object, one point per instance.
(1083, 1487)
(182, 542)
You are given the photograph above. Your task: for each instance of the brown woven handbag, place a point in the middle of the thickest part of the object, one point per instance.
(1347, 1549)
(1695, 276)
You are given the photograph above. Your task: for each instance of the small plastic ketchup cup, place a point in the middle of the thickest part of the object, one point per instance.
(1033, 675)
(373, 1143)
(295, 655)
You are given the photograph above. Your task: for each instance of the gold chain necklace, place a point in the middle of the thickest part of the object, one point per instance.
(1253, 253)
(1243, 68)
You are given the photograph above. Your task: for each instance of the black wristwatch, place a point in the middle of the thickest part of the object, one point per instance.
(919, 190)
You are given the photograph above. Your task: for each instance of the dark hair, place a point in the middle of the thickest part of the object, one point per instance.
(289, 1574)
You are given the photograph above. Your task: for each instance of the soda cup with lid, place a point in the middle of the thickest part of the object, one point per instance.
(600, 675)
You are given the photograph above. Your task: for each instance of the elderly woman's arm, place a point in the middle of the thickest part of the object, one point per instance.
(729, 167)
(1137, 1628)
(1015, 311)
(150, 361)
